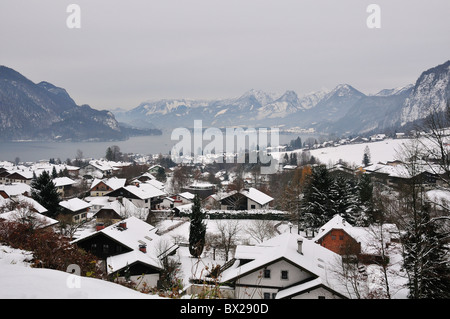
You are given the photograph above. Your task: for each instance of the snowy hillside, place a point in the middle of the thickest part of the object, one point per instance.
(19, 281)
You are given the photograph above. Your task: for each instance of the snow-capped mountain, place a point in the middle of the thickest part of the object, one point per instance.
(431, 92)
(343, 110)
(44, 111)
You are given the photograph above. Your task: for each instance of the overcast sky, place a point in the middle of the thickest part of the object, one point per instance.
(130, 51)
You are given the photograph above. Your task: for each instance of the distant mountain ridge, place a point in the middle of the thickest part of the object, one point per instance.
(343, 110)
(43, 111)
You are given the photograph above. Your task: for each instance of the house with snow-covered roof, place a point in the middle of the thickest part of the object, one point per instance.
(101, 187)
(63, 185)
(142, 195)
(130, 248)
(287, 266)
(365, 243)
(77, 208)
(246, 199)
(116, 210)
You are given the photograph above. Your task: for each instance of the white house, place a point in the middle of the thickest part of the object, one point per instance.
(287, 266)
(131, 250)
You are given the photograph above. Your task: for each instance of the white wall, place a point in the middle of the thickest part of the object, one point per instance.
(271, 285)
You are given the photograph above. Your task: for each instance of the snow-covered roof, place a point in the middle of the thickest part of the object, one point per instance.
(137, 232)
(369, 237)
(33, 203)
(39, 220)
(63, 181)
(253, 194)
(187, 195)
(15, 189)
(159, 185)
(314, 258)
(125, 208)
(145, 191)
(113, 182)
(75, 204)
(258, 196)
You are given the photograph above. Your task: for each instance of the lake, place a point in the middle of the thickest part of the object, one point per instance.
(144, 145)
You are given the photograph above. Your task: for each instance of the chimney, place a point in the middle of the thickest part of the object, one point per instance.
(123, 225)
(143, 248)
(300, 246)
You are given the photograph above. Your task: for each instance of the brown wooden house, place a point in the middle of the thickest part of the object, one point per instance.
(340, 242)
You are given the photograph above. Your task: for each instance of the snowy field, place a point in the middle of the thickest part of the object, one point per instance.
(19, 281)
(381, 151)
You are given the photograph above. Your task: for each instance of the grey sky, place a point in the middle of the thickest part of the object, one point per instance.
(130, 51)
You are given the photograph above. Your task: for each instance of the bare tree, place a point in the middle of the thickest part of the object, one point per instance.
(228, 230)
(261, 229)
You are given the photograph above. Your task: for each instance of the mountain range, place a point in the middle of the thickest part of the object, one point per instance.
(343, 110)
(43, 111)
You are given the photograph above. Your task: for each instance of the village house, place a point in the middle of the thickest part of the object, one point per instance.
(287, 266)
(364, 243)
(177, 200)
(130, 250)
(19, 176)
(77, 208)
(63, 185)
(396, 174)
(101, 187)
(246, 199)
(14, 190)
(102, 169)
(113, 211)
(142, 195)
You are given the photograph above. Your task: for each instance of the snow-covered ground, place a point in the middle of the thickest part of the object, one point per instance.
(19, 281)
(382, 151)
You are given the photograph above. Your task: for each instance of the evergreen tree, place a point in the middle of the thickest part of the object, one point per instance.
(366, 157)
(45, 193)
(54, 173)
(197, 230)
(109, 154)
(317, 207)
(425, 258)
(345, 200)
(368, 214)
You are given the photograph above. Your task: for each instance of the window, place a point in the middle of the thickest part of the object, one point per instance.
(333, 237)
(284, 274)
(105, 248)
(252, 206)
(266, 295)
(266, 273)
(341, 237)
(321, 297)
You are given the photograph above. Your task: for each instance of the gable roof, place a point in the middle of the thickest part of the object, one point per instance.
(143, 191)
(253, 194)
(63, 181)
(368, 237)
(137, 232)
(113, 182)
(315, 259)
(75, 204)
